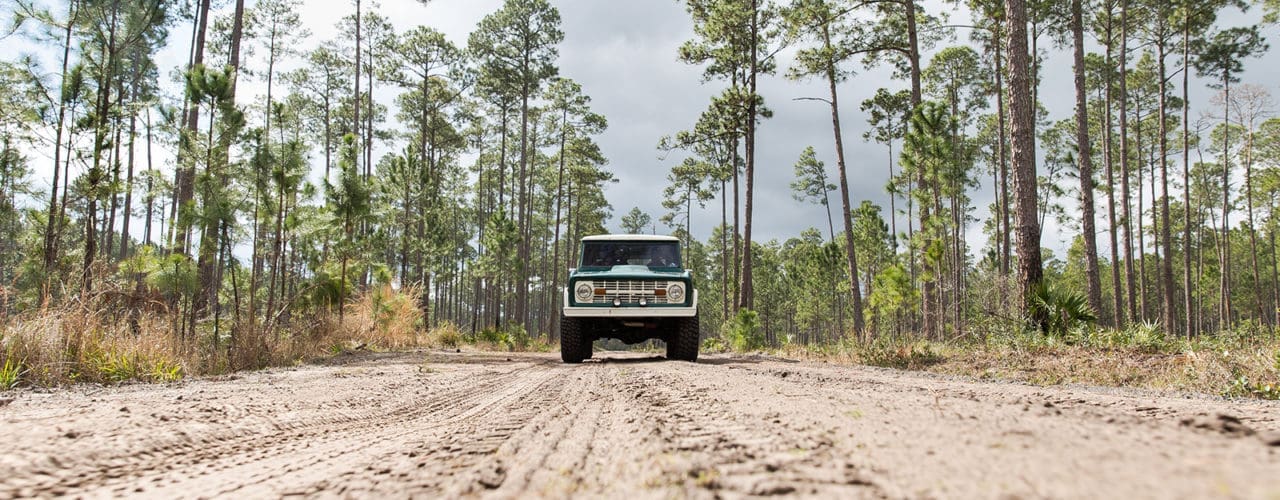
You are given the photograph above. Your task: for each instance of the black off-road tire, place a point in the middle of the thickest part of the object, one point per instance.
(683, 344)
(573, 344)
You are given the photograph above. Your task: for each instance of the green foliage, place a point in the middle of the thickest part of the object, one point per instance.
(1222, 58)
(512, 337)
(324, 290)
(1142, 336)
(714, 344)
(811, 179)
(743, 331)
(165, 371)
(892, 293)
(447, 335)
(11, 373)
(1064, 311)
(635, 222)
(174, 275)
(1242, 387)
(516, 46)
(886, 353)
(115, 367)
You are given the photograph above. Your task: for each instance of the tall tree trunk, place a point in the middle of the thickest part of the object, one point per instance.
(1108, 133)
(186, 174)
(151, 174)
(929, 305)
(1006, 242)
(1188, 284)
(1141, 272)
(207, 262)
(1126, 208)
(1085, 154)
(1022, 110)
(553, 327)
(1166, 228)
(522, 250)
(1225, 244)
(107, 62)
(53, 224)
(127, 213)
(1253, 232)
(355, 100)
(855, 295)
(724, 250)
(746, 291)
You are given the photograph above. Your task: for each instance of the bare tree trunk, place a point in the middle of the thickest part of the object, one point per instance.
(1085, 154)
(1126, 209)
(99, 144)
(746, 291)
(151, 174)
(1141, 273)
(1108, 132)
(1188, 284)
(127, 213)
(859, 323)
(1024, 161)
(1226, 207)
(355, 122)
(53, 224)
(1166, 238)
(186, 175)
(207, 262)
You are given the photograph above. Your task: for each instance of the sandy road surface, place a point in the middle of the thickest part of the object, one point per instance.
(430, 424)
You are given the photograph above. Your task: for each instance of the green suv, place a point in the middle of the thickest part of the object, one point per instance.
(632, 288)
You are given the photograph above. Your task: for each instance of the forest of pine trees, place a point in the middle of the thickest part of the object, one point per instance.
(165, 190)
(1168, 201)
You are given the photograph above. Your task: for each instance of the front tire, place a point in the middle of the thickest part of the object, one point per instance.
(573, 345)
(683, 344)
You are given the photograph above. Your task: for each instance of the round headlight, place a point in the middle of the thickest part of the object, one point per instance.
(675, 293)
(584, 291)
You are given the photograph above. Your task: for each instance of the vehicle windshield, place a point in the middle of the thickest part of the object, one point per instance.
(663, 254)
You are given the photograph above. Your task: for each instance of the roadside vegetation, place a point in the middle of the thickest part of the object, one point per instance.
(84, 342)
(1244, 362)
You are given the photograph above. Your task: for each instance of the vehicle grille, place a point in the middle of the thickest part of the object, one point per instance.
(630, 291)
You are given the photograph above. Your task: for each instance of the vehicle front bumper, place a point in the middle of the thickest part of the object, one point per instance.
(631, 311)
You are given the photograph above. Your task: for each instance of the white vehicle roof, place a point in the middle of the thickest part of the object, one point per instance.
(630, 237)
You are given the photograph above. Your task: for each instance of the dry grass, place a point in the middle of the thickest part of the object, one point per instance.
(1233, 367)
(79, 343)
(385, 317)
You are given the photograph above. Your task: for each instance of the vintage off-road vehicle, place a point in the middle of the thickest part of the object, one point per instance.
(632, 288)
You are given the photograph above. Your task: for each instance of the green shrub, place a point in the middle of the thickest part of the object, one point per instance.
(743, 331)
(446, 335)
(713, 344)
(165, 371)
(10, 374)
(1242, 387)
(115, 367)
(900, 355)
(1062, 311)
(515, 338)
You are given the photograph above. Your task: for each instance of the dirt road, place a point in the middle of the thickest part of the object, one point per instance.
(434, 424)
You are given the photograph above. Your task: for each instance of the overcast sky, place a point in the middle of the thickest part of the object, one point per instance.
(623, 53)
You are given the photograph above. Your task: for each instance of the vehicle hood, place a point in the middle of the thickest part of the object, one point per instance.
(630, 272)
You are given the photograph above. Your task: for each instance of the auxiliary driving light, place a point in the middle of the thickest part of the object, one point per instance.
(617, 302)
(644, 302)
